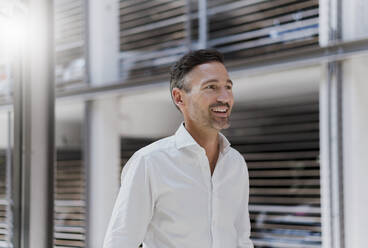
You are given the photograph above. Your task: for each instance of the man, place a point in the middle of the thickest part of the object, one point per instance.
(189, 190)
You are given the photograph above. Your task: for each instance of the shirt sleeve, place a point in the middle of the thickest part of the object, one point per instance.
(133, 208)
(243, 222)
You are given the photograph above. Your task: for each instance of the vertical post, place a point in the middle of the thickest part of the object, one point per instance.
(332, 131)
(33, 166)
(101, 119)
(103, 172)
(355, 90)
(17, 168)
(8, 180)
(335, 101)
(188, 24)
(334, 20)
(86, 41)
(40, 121)
(203, 25)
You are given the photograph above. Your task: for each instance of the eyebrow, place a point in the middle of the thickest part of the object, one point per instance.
(215, 81)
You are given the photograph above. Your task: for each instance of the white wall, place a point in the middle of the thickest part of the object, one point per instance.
(149, 114)
(275, 84)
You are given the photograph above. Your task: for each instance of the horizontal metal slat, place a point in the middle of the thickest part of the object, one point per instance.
(284, 209)
(69, 229)
(284, 182)
(284, 173)
(281, 49)
(153, 14)
(71, 184)
(283, 164)
(299, 237)
(69, 163)
(73, 190)
(61, 6)
(136, 57)
(69, 39)
(176, 27)
(238, 139)
(310, 220)
(77, 223)
(278, 129)
(69, 209)
(69, 30)
(276, 111)
(173, 40)
(298, 241)
(288, 36)
(69, 197)
(69, 169)
(152, 26)
(283, 191)
(69, 243)
(281, 244)
(281, 155)
(68, 14)
(219, 6)
(68, 216)
(268, 121)
(69, 22)
(70, 203)
(69, 236)
(142, 6)
(275, 12)
(290, 146)
(286, 226)
(284, 200)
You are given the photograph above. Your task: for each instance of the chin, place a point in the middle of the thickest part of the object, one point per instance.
(219, 125)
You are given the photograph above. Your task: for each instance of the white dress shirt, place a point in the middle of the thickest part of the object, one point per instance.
(168, 198)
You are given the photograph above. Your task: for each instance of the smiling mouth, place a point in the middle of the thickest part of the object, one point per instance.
(220, 111)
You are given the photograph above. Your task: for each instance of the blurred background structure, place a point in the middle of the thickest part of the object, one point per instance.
(84, 84)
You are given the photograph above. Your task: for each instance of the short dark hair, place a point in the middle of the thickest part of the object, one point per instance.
(190, 60)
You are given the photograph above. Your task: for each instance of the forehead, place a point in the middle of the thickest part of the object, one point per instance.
(207, 71)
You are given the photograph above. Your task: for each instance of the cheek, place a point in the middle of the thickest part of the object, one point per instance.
(231, 99)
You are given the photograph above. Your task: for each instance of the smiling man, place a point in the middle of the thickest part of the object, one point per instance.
(189, 190)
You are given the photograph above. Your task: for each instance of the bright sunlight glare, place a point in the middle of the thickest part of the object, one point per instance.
(13, 32)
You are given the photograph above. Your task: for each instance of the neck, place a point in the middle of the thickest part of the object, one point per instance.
(206, 137)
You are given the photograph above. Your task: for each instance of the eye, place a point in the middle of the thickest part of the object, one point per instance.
(229, 86)
(210, 86)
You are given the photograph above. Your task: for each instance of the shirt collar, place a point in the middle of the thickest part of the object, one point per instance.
(184, 139)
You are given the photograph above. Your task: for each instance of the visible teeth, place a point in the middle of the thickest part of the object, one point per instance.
(220, 109)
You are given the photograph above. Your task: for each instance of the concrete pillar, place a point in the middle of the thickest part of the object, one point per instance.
(103, 41)
(102, 121)
(354, 19)
(34, 150)
(355, 126)
(104, 157)
(40, 123)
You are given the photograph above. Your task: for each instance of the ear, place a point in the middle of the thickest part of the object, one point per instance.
(177, 95)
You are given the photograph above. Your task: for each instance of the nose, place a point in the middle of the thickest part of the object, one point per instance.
(225, 95)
